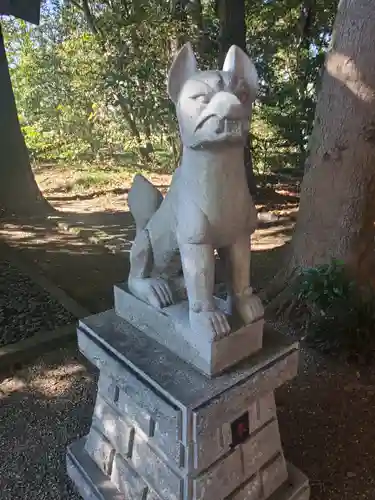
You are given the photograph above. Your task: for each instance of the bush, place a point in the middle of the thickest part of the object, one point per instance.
(337, 314)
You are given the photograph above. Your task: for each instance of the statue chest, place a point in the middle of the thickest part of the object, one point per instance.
(215, 209)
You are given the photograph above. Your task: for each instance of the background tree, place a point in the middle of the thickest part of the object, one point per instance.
(288, 46)
(90, 81)
(336, 216)
(233, 32)
(19, 192)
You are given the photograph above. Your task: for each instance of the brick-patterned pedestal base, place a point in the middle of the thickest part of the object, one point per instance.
(162, 430)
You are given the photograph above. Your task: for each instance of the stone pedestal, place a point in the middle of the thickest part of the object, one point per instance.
(170, 327)
(162, 430)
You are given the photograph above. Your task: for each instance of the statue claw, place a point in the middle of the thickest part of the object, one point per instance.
(154, 291)
(210, 323)
(249, 306)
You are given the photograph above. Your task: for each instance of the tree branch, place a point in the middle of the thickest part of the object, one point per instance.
(76, 4)
(307, 19)
(90, 19)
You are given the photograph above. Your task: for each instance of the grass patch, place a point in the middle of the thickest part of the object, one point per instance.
(94, 180)
(337, 314)
(85, 178)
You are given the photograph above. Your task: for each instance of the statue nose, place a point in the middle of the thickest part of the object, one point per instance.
(222, 105)
(227, 105)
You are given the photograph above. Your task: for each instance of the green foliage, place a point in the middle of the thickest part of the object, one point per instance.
(338, 314)
(289, 60)
(91, 82)
(320, 286)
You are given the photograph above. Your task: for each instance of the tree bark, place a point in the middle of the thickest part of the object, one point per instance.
(233, 32)
(337, 209)
(19, 192)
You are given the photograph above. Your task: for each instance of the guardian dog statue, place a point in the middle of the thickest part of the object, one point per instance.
(208, 206)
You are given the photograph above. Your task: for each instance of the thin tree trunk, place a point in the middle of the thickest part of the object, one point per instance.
(307, 21)
(336, 216)
(196, 14)
(233, 32)
(232, 25)
(92, 25)
(178, 13)
(19, 192)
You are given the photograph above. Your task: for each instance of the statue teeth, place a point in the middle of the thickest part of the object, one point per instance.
(221, 127)
(228, 126)
(232, 126)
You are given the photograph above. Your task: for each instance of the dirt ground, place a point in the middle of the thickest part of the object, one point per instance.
(102, 191)
(84, 246)
(88, 189)
(326, 418)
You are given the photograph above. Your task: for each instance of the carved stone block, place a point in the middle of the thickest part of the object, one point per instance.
(162, 430)
(128, 482)
(100, 450)
(170, 327)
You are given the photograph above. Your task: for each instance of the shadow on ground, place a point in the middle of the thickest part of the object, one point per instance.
(325, 418)
(86, 253)
(42, 409)
(326, 424)
(325, 414)
(84, 269)
(94, 194)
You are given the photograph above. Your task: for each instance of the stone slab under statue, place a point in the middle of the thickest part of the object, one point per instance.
(170, 326)
(185, 408)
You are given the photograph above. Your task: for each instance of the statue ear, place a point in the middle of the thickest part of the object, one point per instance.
(239, 63)
(183, 67)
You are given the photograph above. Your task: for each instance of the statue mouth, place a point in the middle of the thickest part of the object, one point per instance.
(225, 130)
(229, 127)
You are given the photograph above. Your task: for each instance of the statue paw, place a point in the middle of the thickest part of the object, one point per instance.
(210, 323)
(249, 306)
(154, 291)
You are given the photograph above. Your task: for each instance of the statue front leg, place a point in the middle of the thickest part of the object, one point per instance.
(198, 263)
(247, 305)
(154, 291)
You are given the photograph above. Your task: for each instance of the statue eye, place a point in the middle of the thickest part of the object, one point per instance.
(202, 98)
(242, 92)
(243, 96)
(240, 89)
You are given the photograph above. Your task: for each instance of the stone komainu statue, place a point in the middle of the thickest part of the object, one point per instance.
(208, 206)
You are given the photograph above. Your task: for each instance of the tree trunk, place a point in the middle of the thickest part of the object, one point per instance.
(337, 210)
(178, 13)
(19, 193)
(233, 32)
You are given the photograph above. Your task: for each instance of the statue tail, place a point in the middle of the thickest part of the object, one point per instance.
(143, 199)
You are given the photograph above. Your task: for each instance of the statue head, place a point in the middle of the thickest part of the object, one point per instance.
(213, 107)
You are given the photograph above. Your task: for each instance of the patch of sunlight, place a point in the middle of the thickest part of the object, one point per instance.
(65, 370)
(10, 385)
(55, 382)
(56, 241)
(269, 244)
(93, 179)
(343, 68)
(272, 231)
